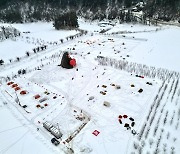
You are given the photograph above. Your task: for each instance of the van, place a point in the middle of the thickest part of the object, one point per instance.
(55, 141)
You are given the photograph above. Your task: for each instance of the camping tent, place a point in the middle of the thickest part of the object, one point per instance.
(67, 61)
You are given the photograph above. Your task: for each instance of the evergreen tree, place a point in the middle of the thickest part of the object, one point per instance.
(127, 3)
(68, 20)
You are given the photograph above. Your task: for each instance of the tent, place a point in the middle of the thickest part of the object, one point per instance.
(96, 133)
(23, 92)
(17, 88)
(37, 96)
(14, 85)
(9, 83)
(67, 61)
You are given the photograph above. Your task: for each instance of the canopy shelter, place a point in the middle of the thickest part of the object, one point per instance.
(23, 92)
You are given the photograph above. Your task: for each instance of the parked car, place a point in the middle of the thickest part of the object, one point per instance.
(55, 141)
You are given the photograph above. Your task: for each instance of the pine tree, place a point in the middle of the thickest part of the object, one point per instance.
(68, 20)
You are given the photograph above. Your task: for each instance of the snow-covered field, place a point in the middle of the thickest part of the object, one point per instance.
(138, 82)
(33, 35)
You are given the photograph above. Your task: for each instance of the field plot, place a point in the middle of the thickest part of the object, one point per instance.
(154, 135)
(70, 100)
(159, 133)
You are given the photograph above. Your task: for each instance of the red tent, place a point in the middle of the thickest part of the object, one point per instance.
(37, 96)
(125, 116)
(9, 83)
(45, 104)
(72, 62)
(17, 88)
(96, 133)
(23, 92)
(14, 85)
(38, 105)
(120, 116)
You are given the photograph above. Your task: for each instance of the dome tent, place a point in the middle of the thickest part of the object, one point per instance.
(67, 61)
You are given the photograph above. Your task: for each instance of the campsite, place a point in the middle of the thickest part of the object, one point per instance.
(93, 92)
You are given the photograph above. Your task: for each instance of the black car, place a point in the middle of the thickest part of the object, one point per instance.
(55, 141)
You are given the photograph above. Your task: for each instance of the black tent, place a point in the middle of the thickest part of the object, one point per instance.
(65, 61)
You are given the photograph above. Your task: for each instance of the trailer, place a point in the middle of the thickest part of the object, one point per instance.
(47, 125)
(56, 132)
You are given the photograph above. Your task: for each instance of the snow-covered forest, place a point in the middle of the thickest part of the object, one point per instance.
(124, 10)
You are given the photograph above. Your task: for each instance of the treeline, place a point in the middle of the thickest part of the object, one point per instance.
(48, 10)
(66, 21)
(93, 4)
(163, 9)
(139, 69)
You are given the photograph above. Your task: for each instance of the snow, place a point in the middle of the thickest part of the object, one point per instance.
(75, 97)
(16, 49)
(16, 136)
(161, 49)
(41, 30)
(32, 35)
